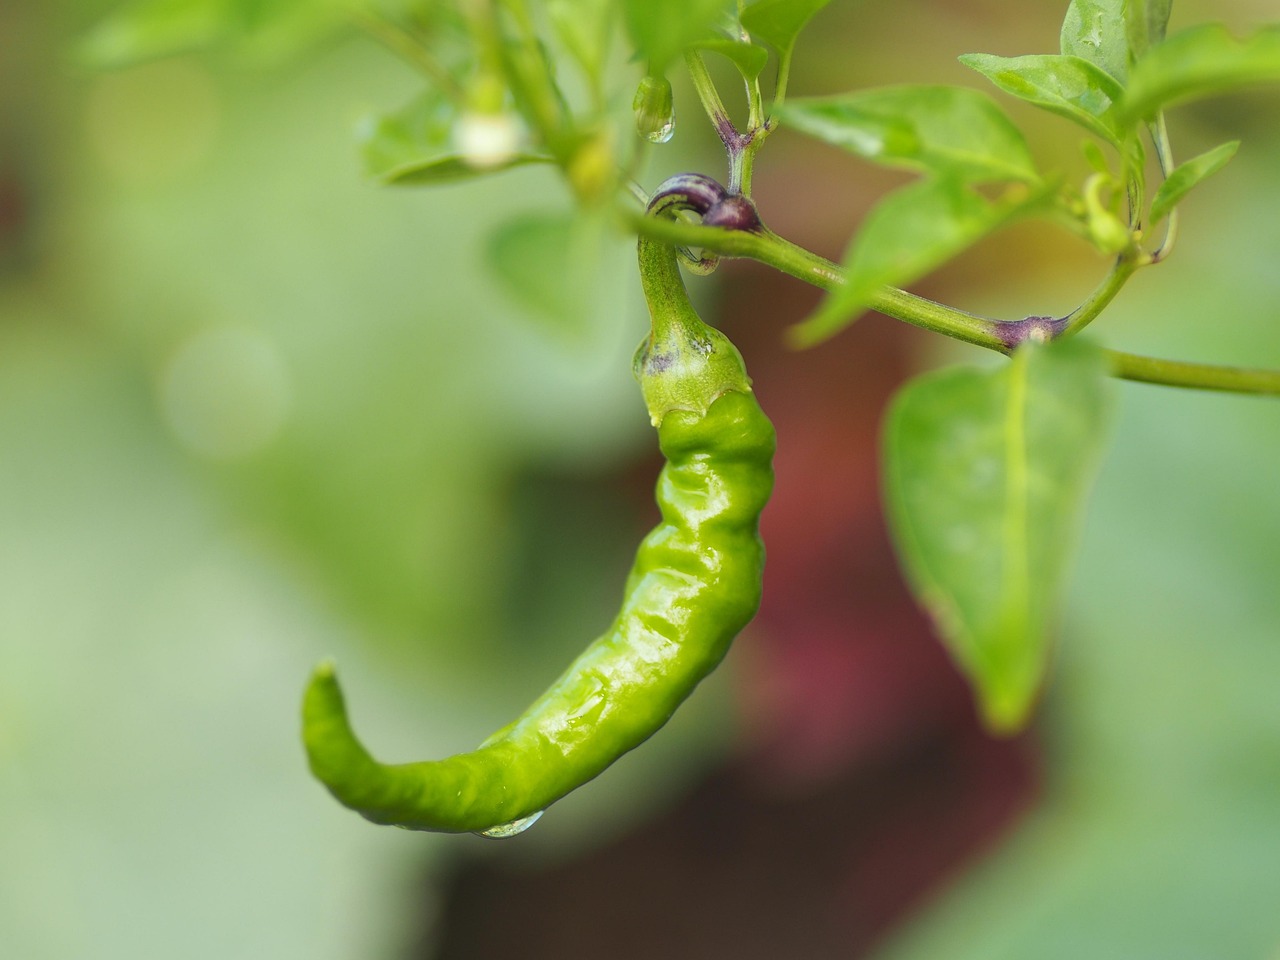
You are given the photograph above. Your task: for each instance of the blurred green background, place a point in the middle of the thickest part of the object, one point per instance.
(255, 410)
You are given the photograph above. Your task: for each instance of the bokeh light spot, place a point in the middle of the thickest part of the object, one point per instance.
(225, 392)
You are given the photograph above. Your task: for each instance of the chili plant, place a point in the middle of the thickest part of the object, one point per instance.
(986, 471)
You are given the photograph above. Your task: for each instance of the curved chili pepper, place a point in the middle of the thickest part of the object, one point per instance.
(695, 584)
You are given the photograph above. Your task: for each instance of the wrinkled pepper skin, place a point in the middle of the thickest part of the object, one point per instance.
(695, 583)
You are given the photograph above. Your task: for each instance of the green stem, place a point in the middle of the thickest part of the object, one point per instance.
(1164, 151)
(739, 148)
(1085, 314)
(755, 106)
(784, 74)
(1199, 376)
(526, 71)
(664, 289)
(770, 249)
(710, 97)
(774, 251)
(740, 181)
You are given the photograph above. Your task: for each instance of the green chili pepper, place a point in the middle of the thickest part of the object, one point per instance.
(695, 583)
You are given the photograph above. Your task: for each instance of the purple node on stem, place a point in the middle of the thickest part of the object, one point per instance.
(1013, 333)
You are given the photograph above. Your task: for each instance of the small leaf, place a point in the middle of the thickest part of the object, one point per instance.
(1200, 62)
(1095, 30)
(414, 146)
(1145, 24)
(1068, 86)
(1184, 177)
(779, 22)
(906, 235)
(749, 58)
(663, 29)
(951, 131)
(548, 264)
(986, 475)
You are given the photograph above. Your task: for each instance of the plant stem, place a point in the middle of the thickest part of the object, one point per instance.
(527, 73)
(1083, 315)
(774, 251)
(1199, 376)
(784, 74)
(741, 148)
(710, 98)
(1164, 151)
(770, 249)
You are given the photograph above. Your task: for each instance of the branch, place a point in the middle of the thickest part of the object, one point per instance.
(999, 335)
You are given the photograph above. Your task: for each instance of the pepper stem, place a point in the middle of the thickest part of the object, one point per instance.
(683, 364)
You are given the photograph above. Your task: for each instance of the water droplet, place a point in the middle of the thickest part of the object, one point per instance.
(504, 830)
(655, 110)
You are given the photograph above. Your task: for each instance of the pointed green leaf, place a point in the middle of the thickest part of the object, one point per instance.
(986, 475)
(1065, 85)
(779, 22)
(1200, 62)
(749, 58)
(1145, 24)
(952, 131)
(549, 265)
(663, 29)
(1186, 176)
(415, 146)
(906, 235)
(1095, 30)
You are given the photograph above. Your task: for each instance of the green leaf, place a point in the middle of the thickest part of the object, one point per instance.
(779, 22)
(986, 474)
(663, 29)
(906, 235)
(1093, 156)
(1200, 62)
(951, 131)
(155, 28)
(749, 58)
(1065, 85)
(415, 146)
(262, 31)
(548, 264)
(1145, 24)
(1095, 30)
(1183, 178)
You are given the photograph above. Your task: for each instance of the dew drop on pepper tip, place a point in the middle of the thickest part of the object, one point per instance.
(504, 830)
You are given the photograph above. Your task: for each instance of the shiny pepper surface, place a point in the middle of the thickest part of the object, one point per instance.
(695, 583)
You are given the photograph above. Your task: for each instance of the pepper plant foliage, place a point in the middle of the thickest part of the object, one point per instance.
(986, 471)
